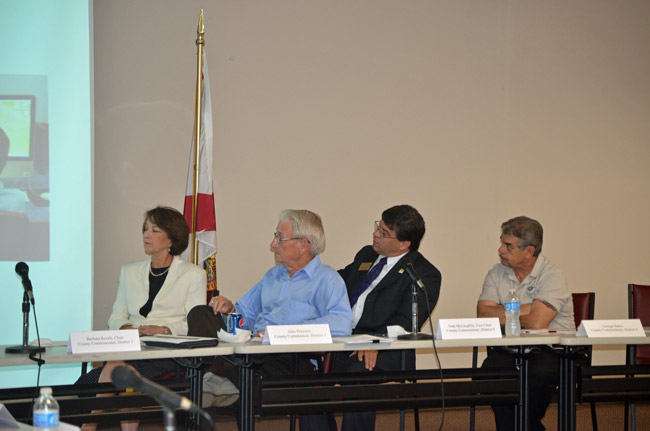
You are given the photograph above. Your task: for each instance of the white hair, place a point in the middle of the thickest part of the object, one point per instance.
(308, 225)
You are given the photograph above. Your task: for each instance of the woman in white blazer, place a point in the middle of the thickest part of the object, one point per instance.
(154, 295)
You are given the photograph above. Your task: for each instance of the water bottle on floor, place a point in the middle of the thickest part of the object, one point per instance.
(512, 306)
(46, 411)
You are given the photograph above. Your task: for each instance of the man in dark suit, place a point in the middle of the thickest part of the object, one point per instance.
(380, 296)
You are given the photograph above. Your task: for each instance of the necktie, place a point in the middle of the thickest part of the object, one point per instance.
(367, 281)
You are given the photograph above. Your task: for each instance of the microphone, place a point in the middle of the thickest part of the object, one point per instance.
(23, 272)
(408, 267)
(124, 377)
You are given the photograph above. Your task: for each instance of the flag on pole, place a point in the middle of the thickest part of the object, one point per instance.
(206, 226)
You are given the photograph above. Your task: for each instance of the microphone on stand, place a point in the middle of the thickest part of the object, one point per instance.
(416, 282)
(408, 267)
(125, 377)
(23, 272)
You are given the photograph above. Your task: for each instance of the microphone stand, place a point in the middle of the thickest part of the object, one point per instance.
(170, 417)
(25, 347)
(414, 335)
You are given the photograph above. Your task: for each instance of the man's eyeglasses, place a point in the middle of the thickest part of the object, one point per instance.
(278, 236)
(383, 232)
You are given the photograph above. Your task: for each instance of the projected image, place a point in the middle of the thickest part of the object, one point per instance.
(17, 117)
(24, 169)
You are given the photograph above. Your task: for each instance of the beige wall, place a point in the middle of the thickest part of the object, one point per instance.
(471, 111)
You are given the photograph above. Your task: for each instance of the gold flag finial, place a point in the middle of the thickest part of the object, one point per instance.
(200, 30)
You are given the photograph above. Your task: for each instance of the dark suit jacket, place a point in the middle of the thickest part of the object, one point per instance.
(389, 303)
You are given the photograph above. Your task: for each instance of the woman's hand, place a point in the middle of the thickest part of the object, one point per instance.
(221, 304)
(153, 330)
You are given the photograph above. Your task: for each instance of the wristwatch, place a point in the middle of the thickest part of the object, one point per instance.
(166, 331)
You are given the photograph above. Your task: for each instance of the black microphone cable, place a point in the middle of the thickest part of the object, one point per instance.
(39, 363)
(435, 351)
(22, 270)
(408, 267)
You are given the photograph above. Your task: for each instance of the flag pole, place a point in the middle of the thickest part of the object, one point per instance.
(197, 134)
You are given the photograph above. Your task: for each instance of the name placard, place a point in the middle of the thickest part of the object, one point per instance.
(126, 340)
(298, 334)
(611, 328)
(456, 329)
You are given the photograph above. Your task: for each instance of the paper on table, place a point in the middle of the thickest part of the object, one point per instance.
(6, 419)
(241, 336)
(395, 331)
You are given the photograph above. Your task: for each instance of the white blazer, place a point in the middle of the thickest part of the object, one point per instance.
(184, 288)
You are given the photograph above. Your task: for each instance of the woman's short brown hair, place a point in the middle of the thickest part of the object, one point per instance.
(173, 224)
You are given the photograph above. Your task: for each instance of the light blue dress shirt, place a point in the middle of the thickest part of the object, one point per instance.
(315, 294)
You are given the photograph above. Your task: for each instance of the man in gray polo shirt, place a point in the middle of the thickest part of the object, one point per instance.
(546, 303)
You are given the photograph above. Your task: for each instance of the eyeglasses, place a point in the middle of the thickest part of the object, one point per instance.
(383, 232)
(278, 237)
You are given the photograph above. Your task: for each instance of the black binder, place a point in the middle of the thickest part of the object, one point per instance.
(179, 341)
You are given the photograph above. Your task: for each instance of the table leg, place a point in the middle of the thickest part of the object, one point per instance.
(566, 417)
(570, 407)
(246, 416)
(521, 412)
(562, 392)
(195, 376)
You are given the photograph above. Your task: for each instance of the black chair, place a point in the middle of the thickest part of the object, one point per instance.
(638, 300)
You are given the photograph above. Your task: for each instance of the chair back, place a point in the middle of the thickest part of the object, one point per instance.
(638, 297)
(583, 307)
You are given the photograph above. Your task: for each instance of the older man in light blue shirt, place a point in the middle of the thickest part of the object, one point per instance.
(314, 294)
(300, 289)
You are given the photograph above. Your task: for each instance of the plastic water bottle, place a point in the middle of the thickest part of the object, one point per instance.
(512, 306)
(46, 411)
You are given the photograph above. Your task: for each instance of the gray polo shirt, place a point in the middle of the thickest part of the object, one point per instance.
(544, 282)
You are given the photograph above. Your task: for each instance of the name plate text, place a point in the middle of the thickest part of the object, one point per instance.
(456, 329)
(126, 340)
(611, 328)
(298, 334)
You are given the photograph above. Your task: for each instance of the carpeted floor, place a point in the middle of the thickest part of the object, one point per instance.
(610, 417)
